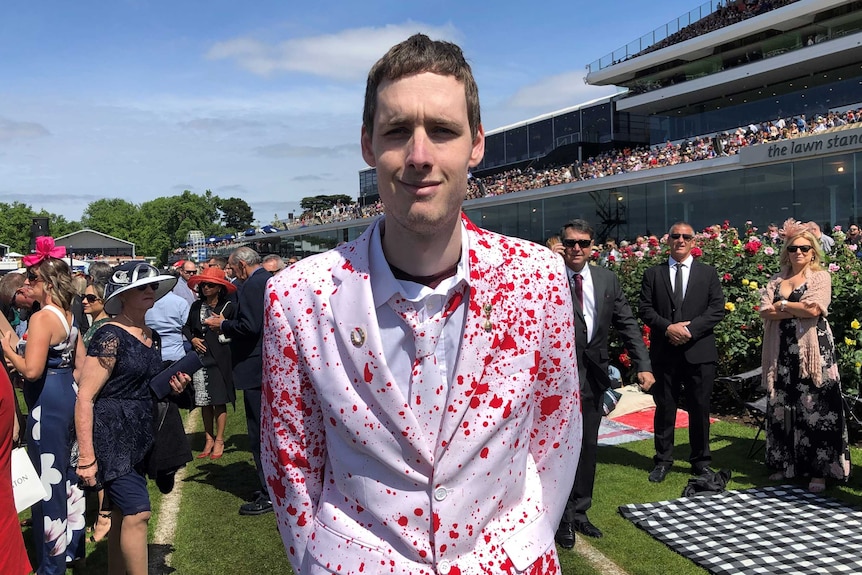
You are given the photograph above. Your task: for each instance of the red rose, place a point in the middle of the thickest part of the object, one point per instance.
(696, 252)
(625, 359)
(727, 277)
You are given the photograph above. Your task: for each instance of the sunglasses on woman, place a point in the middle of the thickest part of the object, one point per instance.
(794, 249)
(33, 278)
(209, 285)
(154, 285)
(90, 298)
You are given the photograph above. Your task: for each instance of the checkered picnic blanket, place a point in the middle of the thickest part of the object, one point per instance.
(779, 530)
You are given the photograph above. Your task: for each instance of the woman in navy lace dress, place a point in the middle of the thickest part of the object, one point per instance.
(114, 412)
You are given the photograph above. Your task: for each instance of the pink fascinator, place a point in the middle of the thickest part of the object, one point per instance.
(45, 248)
(792, 228)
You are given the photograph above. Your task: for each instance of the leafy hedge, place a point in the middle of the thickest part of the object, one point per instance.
(745, 260)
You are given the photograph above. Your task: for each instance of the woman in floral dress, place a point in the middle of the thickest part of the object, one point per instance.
(44, 358)
(806, 433)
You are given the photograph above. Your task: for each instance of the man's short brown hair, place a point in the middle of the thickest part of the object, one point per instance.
(416, 55)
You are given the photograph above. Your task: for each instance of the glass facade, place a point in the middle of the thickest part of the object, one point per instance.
(826, 190)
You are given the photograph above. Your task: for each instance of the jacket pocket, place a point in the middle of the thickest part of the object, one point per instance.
(527, 545)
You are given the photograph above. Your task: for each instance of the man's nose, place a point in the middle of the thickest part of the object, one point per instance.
(419, 154)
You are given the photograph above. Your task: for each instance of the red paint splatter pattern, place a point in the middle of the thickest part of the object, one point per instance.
(357, 486)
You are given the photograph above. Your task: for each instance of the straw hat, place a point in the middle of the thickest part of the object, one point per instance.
(131, 275)
(211, 275)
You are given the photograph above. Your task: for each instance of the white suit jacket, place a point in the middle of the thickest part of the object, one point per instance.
(355, 485)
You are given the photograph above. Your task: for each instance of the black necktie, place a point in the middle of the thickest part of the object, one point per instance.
(677, 293)
(579, 289)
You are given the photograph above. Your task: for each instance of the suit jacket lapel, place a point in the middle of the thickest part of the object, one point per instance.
(483, 322)
(356, 326)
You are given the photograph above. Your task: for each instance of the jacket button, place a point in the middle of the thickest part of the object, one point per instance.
(440, 493)
(443, 567)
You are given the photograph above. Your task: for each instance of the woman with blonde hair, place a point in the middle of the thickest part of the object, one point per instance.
(806, 433)
(44, 359)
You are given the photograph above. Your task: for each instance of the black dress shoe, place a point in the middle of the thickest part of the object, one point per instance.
(259, 506)
(565, 536)
(702, 470)
(165, 481)
(658, 474)
(588, 529)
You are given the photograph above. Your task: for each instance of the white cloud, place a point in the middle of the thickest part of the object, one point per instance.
(13, 130)
(346, 55)
(559, 91)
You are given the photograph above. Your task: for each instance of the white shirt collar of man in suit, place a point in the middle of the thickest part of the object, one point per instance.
(686, 271)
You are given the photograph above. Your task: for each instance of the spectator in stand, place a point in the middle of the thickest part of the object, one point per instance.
(44, 358)
(854, 239)
(806, 432)
(213, 385)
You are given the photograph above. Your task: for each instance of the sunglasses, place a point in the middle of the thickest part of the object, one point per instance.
(154, 285)
(190, 272)
(90, 298)
(686, 237)
(794, 249)
(33, 278)
(209, 285)
(583, 244)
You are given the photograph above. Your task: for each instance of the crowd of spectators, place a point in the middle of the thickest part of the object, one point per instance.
(731, 12)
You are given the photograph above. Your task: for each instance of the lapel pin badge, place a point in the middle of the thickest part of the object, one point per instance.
(357, 336)
(488, 326)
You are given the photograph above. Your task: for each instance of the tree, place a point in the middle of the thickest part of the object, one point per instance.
(112, 216)
(323, 202)
(16, 220)
(236, 214)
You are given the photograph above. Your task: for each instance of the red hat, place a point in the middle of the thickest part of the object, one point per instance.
(211, 275)
(179, 264)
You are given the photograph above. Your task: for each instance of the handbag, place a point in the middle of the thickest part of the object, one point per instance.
(610, 399)
(26, 484)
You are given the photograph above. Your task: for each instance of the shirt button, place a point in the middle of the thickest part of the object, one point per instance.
(440, 493)
(443, 567)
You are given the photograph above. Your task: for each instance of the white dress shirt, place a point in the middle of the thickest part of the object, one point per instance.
(686, 271)
(399, 348)
(589, 294)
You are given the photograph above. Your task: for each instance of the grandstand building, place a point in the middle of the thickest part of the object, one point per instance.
(739, 110)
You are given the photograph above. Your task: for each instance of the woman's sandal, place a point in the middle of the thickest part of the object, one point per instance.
(817, 486)
(220, 453)
(208, 449)
(96, 536)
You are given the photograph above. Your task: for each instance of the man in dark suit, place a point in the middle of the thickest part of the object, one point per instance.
(246, 334)
(599, 303)
(681, 301)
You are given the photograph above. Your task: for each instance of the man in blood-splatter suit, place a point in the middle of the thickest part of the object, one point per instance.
(421, 411)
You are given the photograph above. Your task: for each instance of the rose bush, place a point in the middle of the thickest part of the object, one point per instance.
(745, 260)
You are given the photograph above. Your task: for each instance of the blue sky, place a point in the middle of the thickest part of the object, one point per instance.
(262, 100)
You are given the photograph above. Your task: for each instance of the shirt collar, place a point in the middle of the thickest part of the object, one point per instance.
(585, 272)
(686, 262)
(383, 282)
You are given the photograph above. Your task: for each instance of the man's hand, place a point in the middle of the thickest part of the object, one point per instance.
(645, 380)
(559, 249)
(677, 333)
(214, 322)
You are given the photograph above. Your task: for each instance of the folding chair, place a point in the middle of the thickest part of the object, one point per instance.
(756, 409)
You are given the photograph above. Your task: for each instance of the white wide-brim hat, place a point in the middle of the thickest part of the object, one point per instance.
(133, 275)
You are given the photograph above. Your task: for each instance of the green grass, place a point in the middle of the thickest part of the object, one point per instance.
(212, 537)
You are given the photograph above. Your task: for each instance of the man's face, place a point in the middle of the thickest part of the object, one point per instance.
(189, 269)
(422, 148)
(23, 297)
(680, 246)
(239, 269)
(575, 253)
(853, 230)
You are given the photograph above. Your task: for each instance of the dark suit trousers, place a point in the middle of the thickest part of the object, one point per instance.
(581, 496)
(252, 398)
(695, 380)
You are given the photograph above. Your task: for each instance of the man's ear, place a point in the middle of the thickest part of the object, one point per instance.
(478, 151)
(367, 150)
